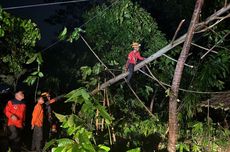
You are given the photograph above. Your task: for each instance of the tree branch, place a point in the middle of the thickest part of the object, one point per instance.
(220, 19)
(163, 50)
(204, 48)
(178, 28)
(215, 45)
(191, 66)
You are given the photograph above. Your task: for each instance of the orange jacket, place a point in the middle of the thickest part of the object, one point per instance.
(18, 110)
(37, 116)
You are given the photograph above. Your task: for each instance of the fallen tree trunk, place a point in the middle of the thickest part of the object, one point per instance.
(200, 26)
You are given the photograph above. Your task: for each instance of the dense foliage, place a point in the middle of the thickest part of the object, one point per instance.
(111, 34)
(79, 127)
(111, 28)
(18, 38)
(114, 29)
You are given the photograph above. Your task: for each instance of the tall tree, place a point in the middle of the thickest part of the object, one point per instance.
(116, 26)
(173, 123)
(18, 38)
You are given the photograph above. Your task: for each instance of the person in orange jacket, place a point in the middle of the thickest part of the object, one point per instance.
(41, 120)
(15, 112)
(37, 123)
(133, 58)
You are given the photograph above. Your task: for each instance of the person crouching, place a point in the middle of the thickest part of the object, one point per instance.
(133, 58)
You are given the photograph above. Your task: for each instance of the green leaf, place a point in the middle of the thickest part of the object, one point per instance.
(62, 35)
(148, 89)
(104, 148)
(104, 113)
(49, 144)
(64, 142)
(88, 147)
(30, 80)
(134, 150)
(86, 71)
(72, 130)
(79, 95)
(96, 69)
(93, 81)
(74, 148)
(197, 128)
(61, 118)
(196, 148)
(39, 58)
(34, 73)
(40, 74)
(58, 149)
(2, 32)
(85, 94)
(75, 35)
(32, 59)
(71, 120)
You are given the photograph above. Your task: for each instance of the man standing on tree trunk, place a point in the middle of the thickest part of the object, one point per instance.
(15, 113)
(133, 58)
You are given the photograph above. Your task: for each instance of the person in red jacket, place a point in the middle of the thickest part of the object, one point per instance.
(15, 113)
(133, 58)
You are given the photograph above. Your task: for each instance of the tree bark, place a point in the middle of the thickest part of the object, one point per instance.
(163, 50)
(173, 124)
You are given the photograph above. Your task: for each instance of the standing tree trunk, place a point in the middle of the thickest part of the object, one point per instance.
(173, 127)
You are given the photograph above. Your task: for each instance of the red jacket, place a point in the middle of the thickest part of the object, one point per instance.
(133, 56)
(18, 110)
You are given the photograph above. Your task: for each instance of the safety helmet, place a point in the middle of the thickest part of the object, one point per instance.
(45, 94)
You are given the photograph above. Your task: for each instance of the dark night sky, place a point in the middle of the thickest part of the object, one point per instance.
(49, 32)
